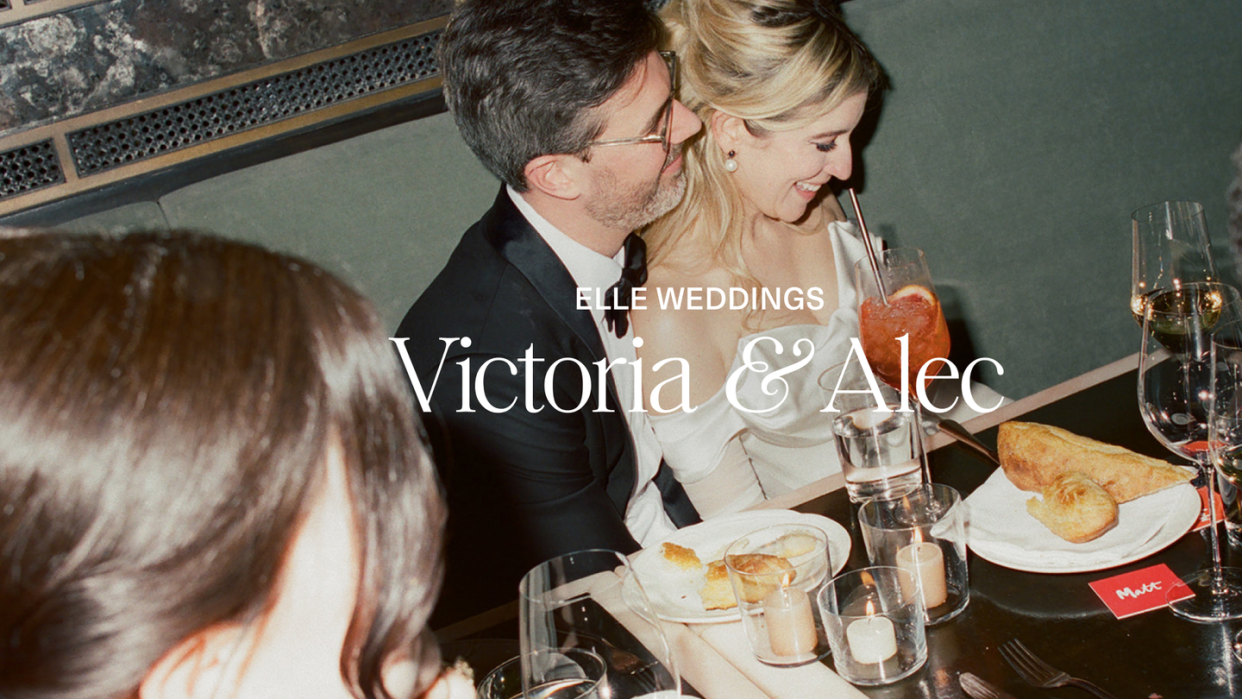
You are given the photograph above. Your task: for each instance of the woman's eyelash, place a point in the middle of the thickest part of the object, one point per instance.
(825, 147)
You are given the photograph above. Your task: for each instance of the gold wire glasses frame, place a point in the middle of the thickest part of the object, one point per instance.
(670, 59)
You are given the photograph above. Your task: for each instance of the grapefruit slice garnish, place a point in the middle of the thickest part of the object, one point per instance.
(915, 291)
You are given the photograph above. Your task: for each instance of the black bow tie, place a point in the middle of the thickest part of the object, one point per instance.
(633, 274)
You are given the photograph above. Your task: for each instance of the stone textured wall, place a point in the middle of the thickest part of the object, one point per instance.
(98, 56)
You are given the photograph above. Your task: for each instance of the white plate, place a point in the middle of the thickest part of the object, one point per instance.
(674, 592)
(1000, 530)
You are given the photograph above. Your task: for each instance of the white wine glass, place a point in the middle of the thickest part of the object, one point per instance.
(587, 631)
(1175, 396)
(1171, 249)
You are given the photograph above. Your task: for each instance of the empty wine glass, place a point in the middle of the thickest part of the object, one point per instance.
(587, 630)
(1171, 248)
(1225, 428)
(1175, 396)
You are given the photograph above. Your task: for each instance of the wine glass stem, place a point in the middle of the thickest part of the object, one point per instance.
(1213, 535)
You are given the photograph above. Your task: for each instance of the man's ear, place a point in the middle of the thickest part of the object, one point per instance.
(728, 131)
(199, 666)
(555, 175)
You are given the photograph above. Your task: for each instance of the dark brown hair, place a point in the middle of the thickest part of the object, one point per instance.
(166, 403)
(522, 76)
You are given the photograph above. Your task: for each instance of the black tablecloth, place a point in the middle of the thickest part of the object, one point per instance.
(1148, 656)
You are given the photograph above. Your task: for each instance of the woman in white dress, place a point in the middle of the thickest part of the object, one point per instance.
(781, 86)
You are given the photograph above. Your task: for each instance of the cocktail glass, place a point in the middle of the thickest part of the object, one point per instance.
(901, 324)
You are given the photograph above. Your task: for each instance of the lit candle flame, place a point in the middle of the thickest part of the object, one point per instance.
(870, 608)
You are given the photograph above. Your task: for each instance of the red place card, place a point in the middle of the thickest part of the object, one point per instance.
(1204, 517)
(1138, 591)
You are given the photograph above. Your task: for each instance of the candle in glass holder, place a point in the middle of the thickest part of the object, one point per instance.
(872, 639)
(790, 622)
(925, 563)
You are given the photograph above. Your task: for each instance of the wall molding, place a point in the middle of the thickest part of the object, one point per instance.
(14, 11)
(78, 154)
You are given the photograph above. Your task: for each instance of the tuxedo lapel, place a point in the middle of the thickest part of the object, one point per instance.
(519, 243)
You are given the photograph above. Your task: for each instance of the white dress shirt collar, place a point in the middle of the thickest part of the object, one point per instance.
(588, 268)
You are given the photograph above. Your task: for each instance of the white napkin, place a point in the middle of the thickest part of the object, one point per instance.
(999, 528)
(810, 681)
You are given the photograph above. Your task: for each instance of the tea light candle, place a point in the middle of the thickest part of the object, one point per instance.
(872, 639)
(925, 563)
(791, 624)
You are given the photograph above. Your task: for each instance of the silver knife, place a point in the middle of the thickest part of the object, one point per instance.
(963, 435)
(980, 689)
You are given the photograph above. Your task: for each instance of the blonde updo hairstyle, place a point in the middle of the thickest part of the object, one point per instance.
(777, 64)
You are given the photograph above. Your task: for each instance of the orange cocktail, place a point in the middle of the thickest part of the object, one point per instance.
(912, 311)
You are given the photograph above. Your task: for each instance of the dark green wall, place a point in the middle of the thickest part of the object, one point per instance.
(1018, 137)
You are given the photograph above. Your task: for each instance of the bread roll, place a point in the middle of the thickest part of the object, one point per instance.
(1075, 508)
(1034, 455)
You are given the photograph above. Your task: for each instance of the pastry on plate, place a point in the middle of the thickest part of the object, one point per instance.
(680, 556)
(717, 593)
(1074, 508)
(765, 574)
(1035, 455)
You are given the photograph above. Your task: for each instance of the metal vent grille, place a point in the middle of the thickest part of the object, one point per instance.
(107, 146)
(28, 168)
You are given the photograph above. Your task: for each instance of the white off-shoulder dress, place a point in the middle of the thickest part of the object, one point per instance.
(754, 439)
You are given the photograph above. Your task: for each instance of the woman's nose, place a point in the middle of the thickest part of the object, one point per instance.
(840, 163)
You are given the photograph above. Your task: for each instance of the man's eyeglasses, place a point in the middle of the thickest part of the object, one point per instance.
(663, 137)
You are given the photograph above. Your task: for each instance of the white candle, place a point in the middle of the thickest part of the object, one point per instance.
(791, 624)
(872, 639)
(925, 563)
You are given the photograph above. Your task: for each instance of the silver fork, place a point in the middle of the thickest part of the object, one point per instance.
(979, 689)
(1040, 674)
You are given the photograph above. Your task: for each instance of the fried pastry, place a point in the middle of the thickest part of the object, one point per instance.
(1075, 508)
(680, 556)
(766, 573)
(717, 593)
(1034, 455)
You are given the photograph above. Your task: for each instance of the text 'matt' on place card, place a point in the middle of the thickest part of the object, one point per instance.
(1204, 516)
(1139, 591)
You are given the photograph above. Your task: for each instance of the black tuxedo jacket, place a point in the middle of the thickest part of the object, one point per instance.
(531, 482)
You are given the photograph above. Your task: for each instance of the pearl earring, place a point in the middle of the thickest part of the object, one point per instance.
(730, 163)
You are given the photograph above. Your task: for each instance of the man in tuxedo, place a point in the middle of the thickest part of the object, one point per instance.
(570, 104)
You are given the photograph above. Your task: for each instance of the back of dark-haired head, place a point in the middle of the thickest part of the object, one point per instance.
(166, 405)
(520, 76)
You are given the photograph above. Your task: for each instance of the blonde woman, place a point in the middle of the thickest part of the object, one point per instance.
(781, 86)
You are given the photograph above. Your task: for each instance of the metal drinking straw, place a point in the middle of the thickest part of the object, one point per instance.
(875, 263)
(879, 282)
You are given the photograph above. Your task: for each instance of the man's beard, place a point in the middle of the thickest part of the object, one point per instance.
(634, 208)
